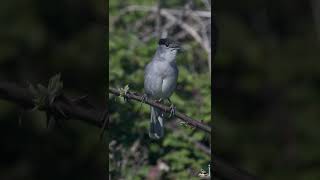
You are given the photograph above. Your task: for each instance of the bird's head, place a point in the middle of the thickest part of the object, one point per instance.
(168, 48)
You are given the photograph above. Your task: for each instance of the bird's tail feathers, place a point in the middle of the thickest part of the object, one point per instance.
(156, 130)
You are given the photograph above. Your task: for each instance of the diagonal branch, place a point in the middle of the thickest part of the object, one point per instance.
(170, 15)
(21, 96)
(226, 172)
(183, 117)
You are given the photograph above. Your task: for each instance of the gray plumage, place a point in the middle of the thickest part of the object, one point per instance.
(160, 80)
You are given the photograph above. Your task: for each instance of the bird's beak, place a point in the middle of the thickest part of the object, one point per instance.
(176, 46)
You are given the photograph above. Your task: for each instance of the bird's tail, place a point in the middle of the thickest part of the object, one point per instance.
(156, 123)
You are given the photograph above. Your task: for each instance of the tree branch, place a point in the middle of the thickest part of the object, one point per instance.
(221, 169)
(183, 117)
(226, 172)
(21, 96)
(170, 15)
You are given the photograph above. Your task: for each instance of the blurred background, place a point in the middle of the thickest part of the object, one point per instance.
(135, 28)
(39, 39)
(266, 87)
(265, 92)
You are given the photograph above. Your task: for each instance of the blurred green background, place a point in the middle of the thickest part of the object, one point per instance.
(265, 92)
(266, 87)
(132, 44)
(39, 39)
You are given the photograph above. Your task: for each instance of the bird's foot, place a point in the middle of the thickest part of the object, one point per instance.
(159, 101)
(144, 98)
(172, 110)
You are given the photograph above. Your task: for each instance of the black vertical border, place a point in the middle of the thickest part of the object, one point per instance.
(106, 45)
(214, 40)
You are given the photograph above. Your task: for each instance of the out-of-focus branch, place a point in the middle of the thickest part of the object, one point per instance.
(131, 8)
(191, 22)
(169, 14)
(189, 29)
(23, 97)
(226, 172)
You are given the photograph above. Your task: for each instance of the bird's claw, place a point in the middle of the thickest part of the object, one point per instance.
(172, 110)
(144, 98)
(159, 100)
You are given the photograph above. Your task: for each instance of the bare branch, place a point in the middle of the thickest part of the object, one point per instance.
(22, 97)
(169, 14)
(226, 172)
(186, 27)
(192, 122)
(174, 16)
(204, 14)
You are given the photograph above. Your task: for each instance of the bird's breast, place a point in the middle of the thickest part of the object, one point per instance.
(160, 80)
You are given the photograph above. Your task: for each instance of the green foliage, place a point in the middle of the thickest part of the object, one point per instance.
(130, 121)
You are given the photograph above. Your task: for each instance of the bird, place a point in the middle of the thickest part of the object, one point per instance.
(160, 80)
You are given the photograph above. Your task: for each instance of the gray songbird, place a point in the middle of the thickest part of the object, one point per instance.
(160, 80)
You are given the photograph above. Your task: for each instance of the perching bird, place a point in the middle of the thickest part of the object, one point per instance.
(160, 80)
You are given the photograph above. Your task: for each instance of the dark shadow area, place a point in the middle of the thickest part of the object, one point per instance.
(266, 96)
(39, 39)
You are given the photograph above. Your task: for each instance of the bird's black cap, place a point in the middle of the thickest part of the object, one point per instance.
(169, 43)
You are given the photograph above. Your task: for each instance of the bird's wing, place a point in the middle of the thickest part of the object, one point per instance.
(152, 81)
